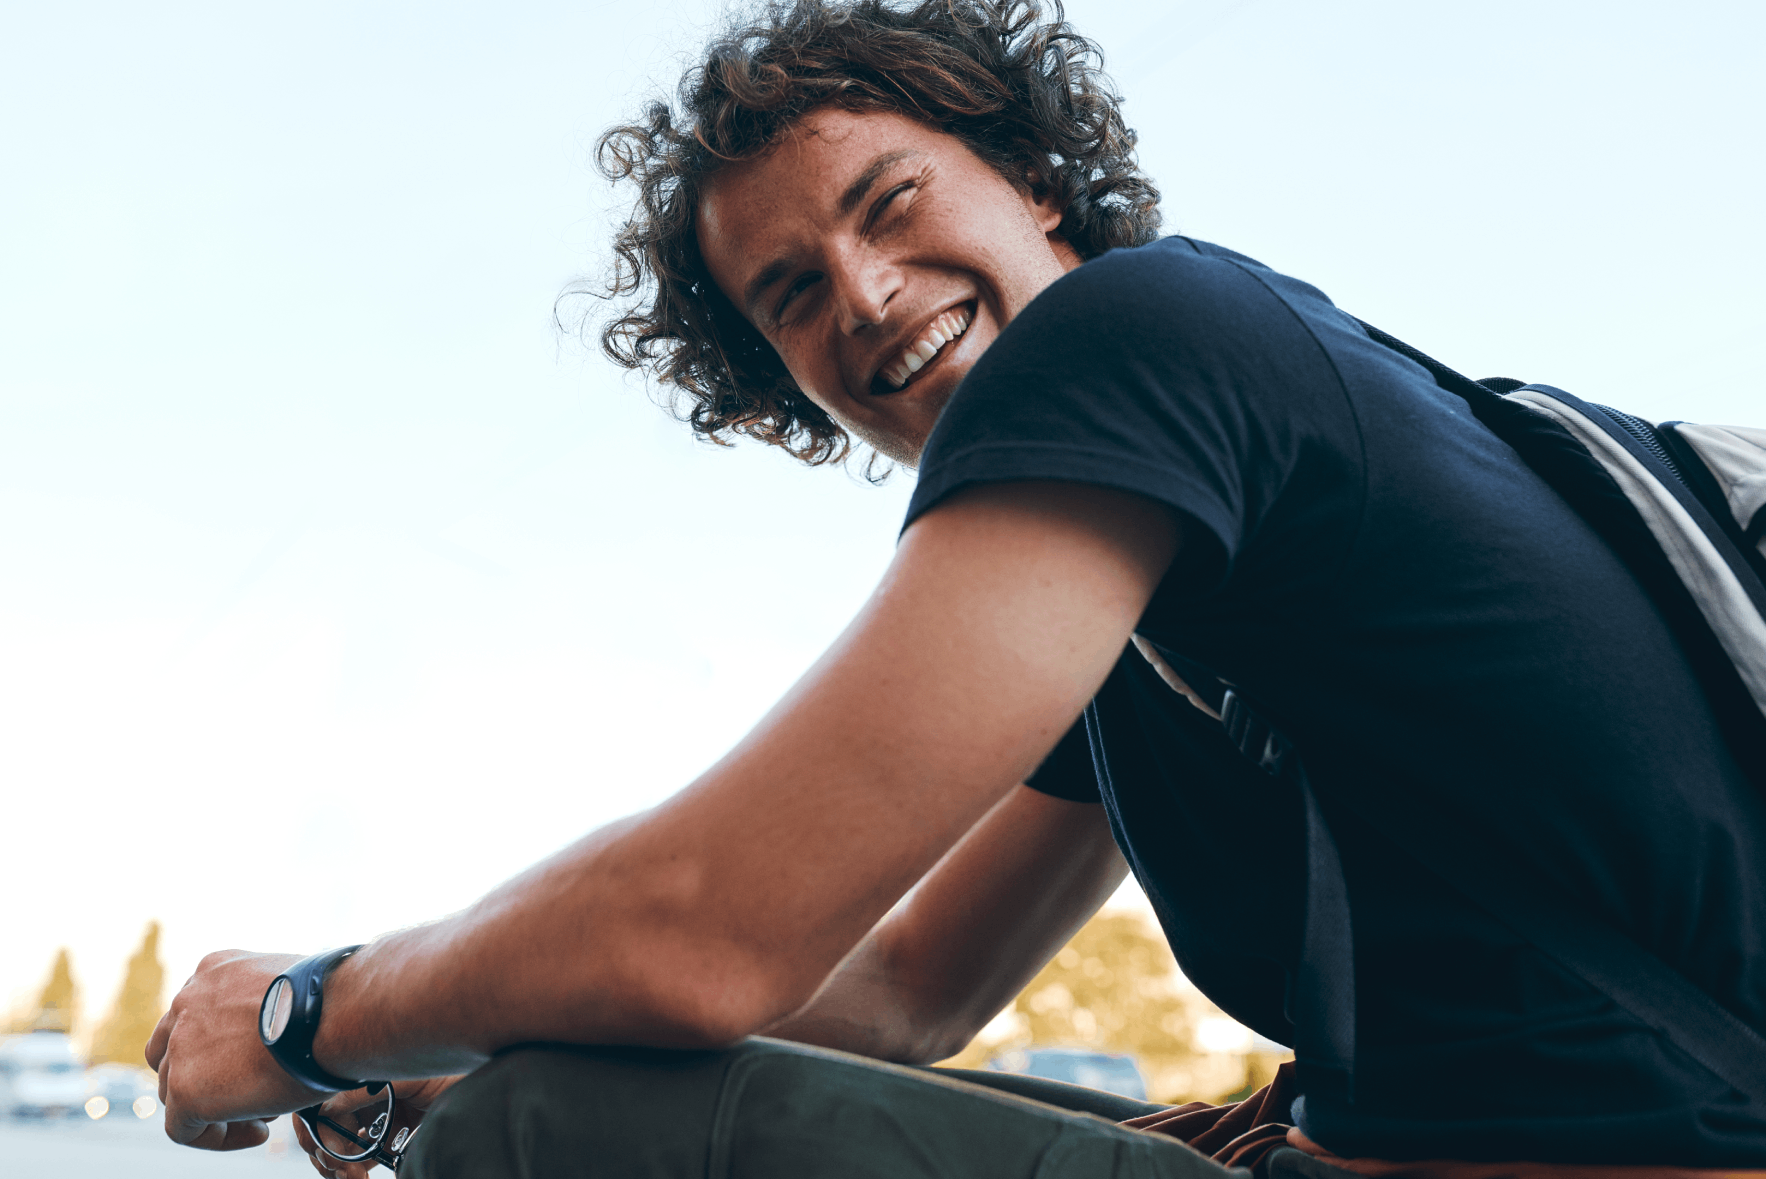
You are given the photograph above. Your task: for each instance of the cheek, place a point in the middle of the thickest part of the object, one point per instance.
(811, 382)
(818, 380)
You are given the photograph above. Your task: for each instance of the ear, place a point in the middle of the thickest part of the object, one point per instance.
(1045, 208)
(1047, 211)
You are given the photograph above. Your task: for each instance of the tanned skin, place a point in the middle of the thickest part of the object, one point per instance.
(764, 896)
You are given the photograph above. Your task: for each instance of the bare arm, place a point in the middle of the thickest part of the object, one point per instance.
(970, 936)
(725, 909)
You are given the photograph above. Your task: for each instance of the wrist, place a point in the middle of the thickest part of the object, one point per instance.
(385, 1015)
(337, 1047)
(291, 1014)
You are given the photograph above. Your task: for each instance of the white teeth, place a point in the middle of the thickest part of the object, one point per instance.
(917, 355)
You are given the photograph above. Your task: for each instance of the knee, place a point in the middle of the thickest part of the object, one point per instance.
(558, 1110)
(466, 1132)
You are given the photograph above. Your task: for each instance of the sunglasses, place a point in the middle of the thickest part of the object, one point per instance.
(366, 1141)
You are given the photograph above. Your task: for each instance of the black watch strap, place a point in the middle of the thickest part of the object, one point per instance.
(293, 1048)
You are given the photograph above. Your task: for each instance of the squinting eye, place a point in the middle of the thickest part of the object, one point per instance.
(797, 288)
(887, 201)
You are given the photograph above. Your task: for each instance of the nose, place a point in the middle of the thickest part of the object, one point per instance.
(864, 284)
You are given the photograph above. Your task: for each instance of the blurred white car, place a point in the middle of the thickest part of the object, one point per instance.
(120, 1090)
(40, 1076)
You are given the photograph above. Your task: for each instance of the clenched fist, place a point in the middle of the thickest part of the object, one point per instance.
(218, 1082)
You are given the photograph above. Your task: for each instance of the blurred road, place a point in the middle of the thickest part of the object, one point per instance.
(128, 1148)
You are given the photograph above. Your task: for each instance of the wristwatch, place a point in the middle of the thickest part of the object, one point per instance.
(288, 1019)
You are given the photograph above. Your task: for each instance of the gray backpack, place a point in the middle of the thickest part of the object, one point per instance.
(1701, 491)
(1684, 506)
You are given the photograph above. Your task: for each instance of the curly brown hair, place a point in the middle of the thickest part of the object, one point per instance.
(1019, 88)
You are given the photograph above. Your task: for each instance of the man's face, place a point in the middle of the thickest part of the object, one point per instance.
(880, 257)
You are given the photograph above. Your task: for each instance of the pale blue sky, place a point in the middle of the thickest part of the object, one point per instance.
(335, 586)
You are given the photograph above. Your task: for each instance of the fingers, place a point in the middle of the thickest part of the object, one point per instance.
(323, 1163)
(309, 1147)
(189, 1129)
(183, 1127)
(349, 1101)
(420, 1095)
(220, 1136)
(156, 1045)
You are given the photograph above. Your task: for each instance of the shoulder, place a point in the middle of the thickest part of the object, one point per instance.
(1172, 264)
(1176, 300)
(1173, 315)
(1184, 279)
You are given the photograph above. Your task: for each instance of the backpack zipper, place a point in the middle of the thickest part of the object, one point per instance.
(1647, 437)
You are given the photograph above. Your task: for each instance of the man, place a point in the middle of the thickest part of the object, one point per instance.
(891, 225)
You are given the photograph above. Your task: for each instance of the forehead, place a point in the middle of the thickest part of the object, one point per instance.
(816, 156)
(750, 210)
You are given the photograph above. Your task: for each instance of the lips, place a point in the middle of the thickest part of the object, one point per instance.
(900, 371)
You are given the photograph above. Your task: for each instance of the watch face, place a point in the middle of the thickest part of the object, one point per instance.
(278, 1006)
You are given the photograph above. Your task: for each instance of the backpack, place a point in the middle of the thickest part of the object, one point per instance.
(1684, 506)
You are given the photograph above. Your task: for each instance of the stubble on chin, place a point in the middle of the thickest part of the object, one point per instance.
(899, 450)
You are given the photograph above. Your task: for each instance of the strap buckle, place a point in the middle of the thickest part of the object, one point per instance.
(1256, 738)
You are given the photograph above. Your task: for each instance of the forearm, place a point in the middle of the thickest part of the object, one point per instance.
(932, 973)
(591, 946)
(865, 1008)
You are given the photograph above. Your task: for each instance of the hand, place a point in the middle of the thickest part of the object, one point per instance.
(414, 1100)
(218, 1082)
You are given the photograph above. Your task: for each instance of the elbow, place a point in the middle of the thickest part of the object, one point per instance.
(932, 1037)
(951, 1039)
(678, 967)
(720, 1003)
(704, 1018)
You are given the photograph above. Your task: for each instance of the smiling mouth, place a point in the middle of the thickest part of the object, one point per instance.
(925, 350)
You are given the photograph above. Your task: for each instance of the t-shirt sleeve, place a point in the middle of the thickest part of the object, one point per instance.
(1067, 771)
(1180, 372)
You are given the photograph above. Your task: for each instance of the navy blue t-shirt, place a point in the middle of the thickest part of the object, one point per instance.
(1429, 623)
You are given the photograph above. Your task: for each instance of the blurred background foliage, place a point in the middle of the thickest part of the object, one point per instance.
(121, 1036)
(57, 1005)
(1116, 988)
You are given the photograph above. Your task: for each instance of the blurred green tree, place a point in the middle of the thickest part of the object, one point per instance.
(57, 1006)
(1116, 988)
(122, 1037)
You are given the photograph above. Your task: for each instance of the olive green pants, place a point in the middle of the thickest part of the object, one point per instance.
(768, 1109)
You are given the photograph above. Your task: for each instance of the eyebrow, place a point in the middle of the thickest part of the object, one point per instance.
(855, 192)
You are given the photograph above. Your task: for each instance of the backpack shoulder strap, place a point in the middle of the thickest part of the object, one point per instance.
(1606, 958)
(1723, 583)
(1564, 462)
(1726, 468)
